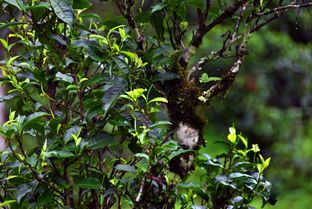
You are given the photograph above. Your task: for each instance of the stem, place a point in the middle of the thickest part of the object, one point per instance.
(140, 194)
(68, 194)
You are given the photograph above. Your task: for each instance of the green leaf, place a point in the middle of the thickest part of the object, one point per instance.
(38, 10)
(135, 94)
(101, 140)
(232, 137)
(266, 163)
(4, 43)
(167, 76)
(255, 148)
(143, 17)
(5, 25)
(7, 97)
(160, 123)
(142, 155)
(33, 118)
(96, 79)
(133, 57)
(259, 168)
(159, 7)
(178, 152)
(88, 183)
(119, 120)
(81, 4)
(127, 168)
(72, 87)
(63, 77)
(240, 175)
(196, 3)
(159, 99)
(91, 16)
(63, 11)
(17, 3)
(59, 154)
(157, 20)
(69, 132)
(112, 91)
(7, 202)
(204, 78)
(244, 140)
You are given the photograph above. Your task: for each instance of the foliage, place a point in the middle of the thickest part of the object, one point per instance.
(236, 175)
(271, 99)
(86, 127)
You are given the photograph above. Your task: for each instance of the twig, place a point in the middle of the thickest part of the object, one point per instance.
(259, 26)
(283, 8)
(203, 29)
(32, 171)
(227, 12)
(225, 82)
(197, 67)
(140, 194)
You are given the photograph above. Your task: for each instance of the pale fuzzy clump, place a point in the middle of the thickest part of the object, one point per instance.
(187, 136)
(186, 163)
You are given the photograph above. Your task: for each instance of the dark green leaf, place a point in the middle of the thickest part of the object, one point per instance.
(91, 16)
(5, 25)
(63, 11)
(38, 11)
(112, 91)
(143, 17)
(178, 152)
(17, 3)
(159, 6)
(96, 79)
(160, 124)
(100, 141)
(23, 190)
(167, 76)
(7, 97)
(119, 120)
(59, 154)
(158, 24)
(197, 3)
(73, 130)
(237, 200)
(241, 177)
(33, 118)
(81, 4)
(88, 183)
(127, 168)
(63, 77)
(93, 48)
(198, 207)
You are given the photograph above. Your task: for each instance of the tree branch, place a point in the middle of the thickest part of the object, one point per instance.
(227, 12)
(283, 8)
(225, 83)
(124, 7)
(204, 29)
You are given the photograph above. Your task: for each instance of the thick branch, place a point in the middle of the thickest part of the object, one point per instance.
(203, 29)
(225, 83)
(228, 12)
(227, 80)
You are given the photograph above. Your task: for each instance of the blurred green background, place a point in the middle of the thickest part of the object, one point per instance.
(271, 101)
